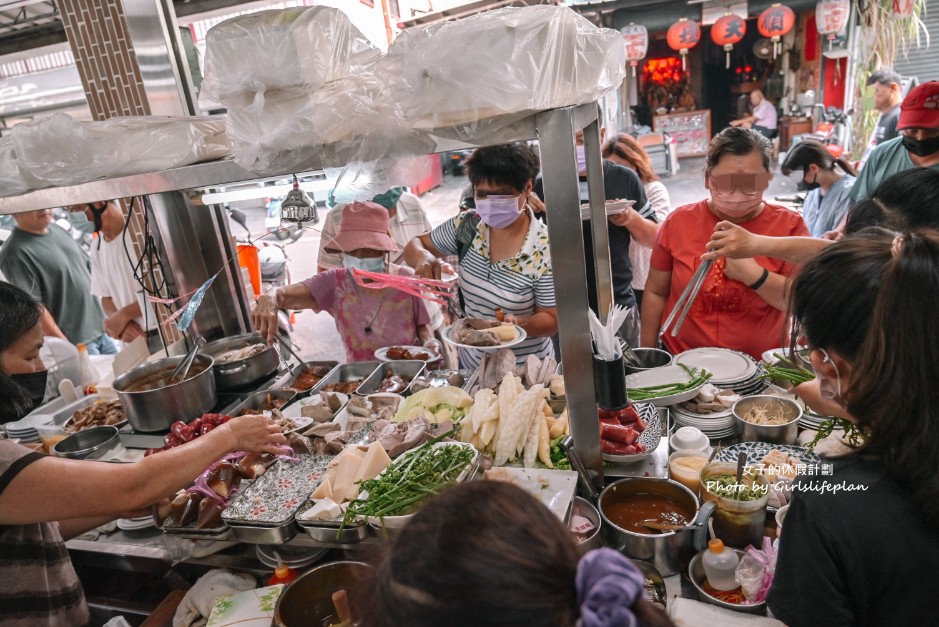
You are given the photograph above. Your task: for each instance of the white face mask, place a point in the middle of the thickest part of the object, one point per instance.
(825, 387)
(368, 264)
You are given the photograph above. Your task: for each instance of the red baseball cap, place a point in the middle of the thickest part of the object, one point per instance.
(920, 108)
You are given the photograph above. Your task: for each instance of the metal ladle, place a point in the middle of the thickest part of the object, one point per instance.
(183, 368)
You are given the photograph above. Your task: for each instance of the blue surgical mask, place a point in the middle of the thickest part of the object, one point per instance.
(581, 158)
(368, 264)
(498, 211)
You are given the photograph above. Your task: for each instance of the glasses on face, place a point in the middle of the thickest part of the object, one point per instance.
(804, 355)
(748, 184)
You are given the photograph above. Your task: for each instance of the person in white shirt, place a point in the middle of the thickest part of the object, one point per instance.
(763, 119)
(112, 277)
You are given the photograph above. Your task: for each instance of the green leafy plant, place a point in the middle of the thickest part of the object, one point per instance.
(854, 435)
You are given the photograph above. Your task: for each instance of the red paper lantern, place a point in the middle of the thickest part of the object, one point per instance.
(902, 8)
(775, 22)
(727, 31)
(682, 35)
(636, 40)
(831, 17)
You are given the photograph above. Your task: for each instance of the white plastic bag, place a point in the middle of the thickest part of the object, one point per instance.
(344, 120)
(501, 64)
(297, 47)
(63, 151)
(755, 571)
(14, 179)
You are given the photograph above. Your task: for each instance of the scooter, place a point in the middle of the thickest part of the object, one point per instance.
(831, 130)
(272, 261)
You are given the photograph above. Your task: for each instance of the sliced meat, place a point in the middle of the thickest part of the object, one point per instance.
(415, 433)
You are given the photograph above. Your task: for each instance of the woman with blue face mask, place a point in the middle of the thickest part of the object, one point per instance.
(505, 264)
(367, 319)
(828, 181)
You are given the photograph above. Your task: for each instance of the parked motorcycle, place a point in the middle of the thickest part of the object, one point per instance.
(831, 130)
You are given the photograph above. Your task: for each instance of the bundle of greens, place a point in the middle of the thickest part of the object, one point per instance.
(698, 378)
(402, 486)
(794, 375)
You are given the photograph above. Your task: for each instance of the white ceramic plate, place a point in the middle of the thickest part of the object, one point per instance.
(727, 366)
(445, 333)
(135, 524)
(29, 423)
(382, 353)
(649, 438)
(554, 488)
(663, 376)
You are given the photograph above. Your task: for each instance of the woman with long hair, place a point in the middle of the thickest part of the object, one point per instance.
(45, 500)
(626, 151)
(829, 180)
(861, 542)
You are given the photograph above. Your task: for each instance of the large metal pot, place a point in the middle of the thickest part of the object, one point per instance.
(241, 372)
(669, 551)
(308, 600)
(156, 409)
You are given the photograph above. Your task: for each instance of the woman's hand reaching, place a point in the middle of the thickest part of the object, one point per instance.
(254, 434)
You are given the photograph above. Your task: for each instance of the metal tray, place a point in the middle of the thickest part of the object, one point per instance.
(329, 533)
(347, 372)
(298, 369)
(257, 399)
(259, 534)
(408, 369)
(190, 531)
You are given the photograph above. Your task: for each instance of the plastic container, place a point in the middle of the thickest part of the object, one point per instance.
(720, 564)
(89, 375)
(50, 435)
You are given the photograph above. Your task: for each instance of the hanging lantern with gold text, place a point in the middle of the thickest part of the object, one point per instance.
(728, 31)
(683, 35)
(636, 40)
(774, 23)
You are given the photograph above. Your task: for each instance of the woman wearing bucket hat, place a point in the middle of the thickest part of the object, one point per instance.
(366, 318)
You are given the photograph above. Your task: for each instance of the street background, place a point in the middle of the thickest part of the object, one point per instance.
(315, 334)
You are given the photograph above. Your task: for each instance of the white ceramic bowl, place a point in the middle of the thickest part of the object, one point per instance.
(689, 438)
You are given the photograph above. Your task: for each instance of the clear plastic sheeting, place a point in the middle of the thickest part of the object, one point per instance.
(303, 47)
(467, 78)
(344, 120)
(362, 180)
(14, 179)
(63, 151)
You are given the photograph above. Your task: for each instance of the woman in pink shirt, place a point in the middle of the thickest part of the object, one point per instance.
(366, 318)
(742, 302)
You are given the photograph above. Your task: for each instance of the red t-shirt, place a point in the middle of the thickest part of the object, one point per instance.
(726, 312)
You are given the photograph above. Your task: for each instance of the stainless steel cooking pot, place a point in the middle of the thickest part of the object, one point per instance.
(669, 551)
(241, 372)
(308, 600)
(156, 409)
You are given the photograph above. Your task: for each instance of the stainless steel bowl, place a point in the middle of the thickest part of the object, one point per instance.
(157, 409)
(594, 540)
(241, 372)
(90, 443)
(649, 358)
(697, 577)
(775, 434)
(308, 599)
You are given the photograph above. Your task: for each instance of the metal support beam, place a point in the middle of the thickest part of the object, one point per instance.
(556, 129)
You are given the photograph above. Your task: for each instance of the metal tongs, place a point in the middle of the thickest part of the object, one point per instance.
(285, 346)
(183, 368)
(586, 480)
(683, 304)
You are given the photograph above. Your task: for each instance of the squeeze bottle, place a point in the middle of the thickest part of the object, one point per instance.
(720, 564)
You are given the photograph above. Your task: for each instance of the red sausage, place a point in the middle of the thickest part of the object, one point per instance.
(628, 415)
(618, 433)
(617, 448)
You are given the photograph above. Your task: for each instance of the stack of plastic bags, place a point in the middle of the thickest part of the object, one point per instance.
(59, 150)
(301, 92)
(13, 178)
(470, 77)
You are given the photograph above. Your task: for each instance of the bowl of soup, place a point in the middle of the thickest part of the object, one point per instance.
(635, 510)
(152, 401)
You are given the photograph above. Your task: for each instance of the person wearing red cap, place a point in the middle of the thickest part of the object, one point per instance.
(366, 318)
(916, 147)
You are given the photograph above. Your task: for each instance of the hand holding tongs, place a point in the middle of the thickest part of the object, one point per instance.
(683, 304)
(285, 346)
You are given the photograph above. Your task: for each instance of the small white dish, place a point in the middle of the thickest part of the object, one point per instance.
(689, 438)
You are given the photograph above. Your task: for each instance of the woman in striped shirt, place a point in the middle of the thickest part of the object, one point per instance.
(504, 258)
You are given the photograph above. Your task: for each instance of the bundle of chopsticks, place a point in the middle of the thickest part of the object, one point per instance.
(433, 290)
(683, 304)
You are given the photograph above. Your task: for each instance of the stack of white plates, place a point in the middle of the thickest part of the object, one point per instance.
(135, 524)
(716, 425)
(731, 370)
(25, 429)
(811, 420)
(295, 557)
